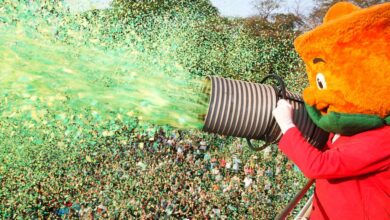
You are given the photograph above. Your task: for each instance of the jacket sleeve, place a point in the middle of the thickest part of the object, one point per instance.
(355, 157)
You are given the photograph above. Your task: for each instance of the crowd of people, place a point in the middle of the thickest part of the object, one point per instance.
(161, 175)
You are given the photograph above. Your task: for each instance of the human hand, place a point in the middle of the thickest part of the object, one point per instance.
(283, 114)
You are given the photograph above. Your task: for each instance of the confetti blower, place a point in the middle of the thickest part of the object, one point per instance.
(244, 109)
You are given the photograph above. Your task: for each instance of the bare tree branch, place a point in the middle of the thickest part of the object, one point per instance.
(265, 8)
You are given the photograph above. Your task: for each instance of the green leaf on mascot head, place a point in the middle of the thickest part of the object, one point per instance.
(344, 123)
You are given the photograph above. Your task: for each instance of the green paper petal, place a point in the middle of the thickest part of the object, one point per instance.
(387, 120)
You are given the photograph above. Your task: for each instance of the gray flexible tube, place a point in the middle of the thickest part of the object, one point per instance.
(244, 109)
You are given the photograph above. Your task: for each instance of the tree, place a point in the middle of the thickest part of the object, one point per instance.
(296, 9)
(265, 8)
(288, 21)
(322, 6)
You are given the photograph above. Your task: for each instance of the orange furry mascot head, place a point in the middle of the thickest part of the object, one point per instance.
(348, 66)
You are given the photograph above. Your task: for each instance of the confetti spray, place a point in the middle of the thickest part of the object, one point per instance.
(55, 59)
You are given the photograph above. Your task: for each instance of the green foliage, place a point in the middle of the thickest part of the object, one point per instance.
(152, 8)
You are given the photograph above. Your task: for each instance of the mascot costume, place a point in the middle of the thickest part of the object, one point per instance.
(348, 66)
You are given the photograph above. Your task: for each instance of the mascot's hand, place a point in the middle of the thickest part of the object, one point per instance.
(283, 114)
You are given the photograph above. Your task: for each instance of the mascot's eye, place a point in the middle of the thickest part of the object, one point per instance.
(320, 79)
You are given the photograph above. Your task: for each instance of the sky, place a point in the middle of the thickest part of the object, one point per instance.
(82, 5)
(244, 8)
(230, 8)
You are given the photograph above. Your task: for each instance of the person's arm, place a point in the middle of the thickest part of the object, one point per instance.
(355, 158)
(367, 154)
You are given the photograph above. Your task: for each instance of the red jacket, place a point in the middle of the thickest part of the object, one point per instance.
(352, 174)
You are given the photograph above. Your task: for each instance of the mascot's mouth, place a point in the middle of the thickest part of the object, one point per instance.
(322, 108)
